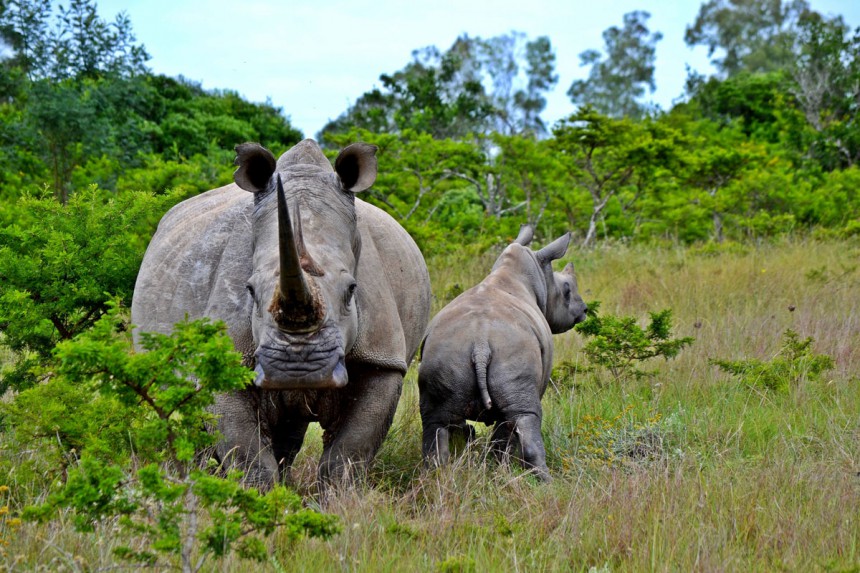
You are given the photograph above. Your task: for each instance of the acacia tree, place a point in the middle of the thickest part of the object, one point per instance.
(533, 174)
(717, 158)
(618, 79)
(603, 154)
(415, 170)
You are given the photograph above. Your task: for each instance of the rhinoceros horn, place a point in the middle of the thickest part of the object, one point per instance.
(297, 308)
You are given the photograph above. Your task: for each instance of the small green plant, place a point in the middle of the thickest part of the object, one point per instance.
(457, 564)
(618, 343)
(161, 500)
(794, 363)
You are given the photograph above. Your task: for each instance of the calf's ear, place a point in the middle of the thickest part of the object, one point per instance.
(527, 233)
(568, 270)
(256, 165)
(554, 250)
(356, 166)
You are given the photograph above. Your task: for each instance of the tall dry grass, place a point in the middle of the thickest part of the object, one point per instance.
(689, 470)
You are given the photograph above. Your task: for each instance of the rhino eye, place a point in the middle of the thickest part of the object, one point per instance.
(566, 292)
(250, 290)
(350, 292)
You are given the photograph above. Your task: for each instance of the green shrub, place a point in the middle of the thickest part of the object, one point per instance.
(618, 343)
(60, 265)
(161, 501)
(794, 364)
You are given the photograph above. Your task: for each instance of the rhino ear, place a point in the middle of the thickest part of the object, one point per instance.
(568, 270)
(554, 250)
(526, 235)
(356, 165)
(256, 165)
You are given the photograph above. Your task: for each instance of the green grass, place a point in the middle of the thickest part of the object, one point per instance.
(688, 470)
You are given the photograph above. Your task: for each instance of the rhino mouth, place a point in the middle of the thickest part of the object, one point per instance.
(301, 361)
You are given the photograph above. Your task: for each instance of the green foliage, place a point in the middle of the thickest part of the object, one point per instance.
(618, 343)
(616, 83)
(457, 564)
(60, 42)
(752, 35)
(60, 265)
(79, 107)
(794, 364)
(477, 86)
(161, 501)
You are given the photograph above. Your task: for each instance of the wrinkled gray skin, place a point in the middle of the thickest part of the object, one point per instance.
(326, 297)
(487, 356)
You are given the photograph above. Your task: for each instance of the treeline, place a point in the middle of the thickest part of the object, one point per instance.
(78, 106)
(768, 145)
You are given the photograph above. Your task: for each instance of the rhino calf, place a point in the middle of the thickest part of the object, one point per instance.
(487, 355)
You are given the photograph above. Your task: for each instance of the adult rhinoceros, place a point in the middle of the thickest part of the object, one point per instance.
(326, 296)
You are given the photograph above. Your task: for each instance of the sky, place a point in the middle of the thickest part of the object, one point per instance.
(313, 59)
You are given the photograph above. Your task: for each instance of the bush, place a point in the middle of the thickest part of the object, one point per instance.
(60, 265)
(161, 500)
(794, 363)
(618, 344)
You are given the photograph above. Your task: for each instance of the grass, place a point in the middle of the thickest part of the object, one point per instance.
(688, 470)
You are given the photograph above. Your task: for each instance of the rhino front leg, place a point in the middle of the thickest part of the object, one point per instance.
(355, 432)
(287, 439)
(246, 443)
(531, 445)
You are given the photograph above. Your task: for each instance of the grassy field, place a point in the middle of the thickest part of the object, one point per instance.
(687, 470)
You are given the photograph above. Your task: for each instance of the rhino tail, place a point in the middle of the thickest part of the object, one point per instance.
(481, 362)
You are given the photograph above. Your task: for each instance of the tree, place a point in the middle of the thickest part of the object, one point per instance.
(718, 158)
(759, 101)
(60, 265)
(617, 81)
(517, 107)
(437, 93)
(475, 87)
(67, 56)
(826, 74)
(754, 35)
(73, 42)
(603, 154)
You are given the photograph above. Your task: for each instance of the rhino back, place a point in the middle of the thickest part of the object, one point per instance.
(393, 293)
(514, 329)
(197, 263)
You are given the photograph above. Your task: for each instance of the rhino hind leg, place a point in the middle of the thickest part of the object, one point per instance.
(435, 444)
(532, 452)
(351, 440)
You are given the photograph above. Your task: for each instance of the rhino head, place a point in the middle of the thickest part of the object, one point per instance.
(557, 293)
(305, 253)
(564, 306)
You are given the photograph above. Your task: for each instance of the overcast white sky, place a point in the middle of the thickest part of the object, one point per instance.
(314, 58)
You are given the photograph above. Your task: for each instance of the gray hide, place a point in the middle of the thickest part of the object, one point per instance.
(487, 356)
(326, 297)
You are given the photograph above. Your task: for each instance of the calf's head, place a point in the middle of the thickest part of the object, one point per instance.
(557, 293)
(305, 253)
